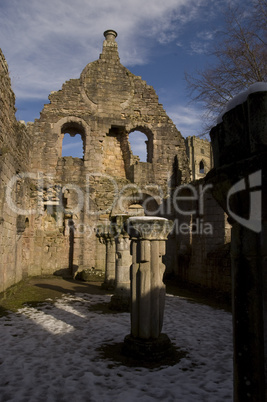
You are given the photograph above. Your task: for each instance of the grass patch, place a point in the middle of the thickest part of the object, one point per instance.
(25, 293)
(34, 291)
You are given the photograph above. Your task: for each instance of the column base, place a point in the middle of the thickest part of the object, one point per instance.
(148, 349)
(120, 302)
(108, 284)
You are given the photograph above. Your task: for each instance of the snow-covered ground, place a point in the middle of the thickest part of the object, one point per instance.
(49, 353)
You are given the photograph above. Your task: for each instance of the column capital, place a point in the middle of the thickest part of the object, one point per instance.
(149, 227)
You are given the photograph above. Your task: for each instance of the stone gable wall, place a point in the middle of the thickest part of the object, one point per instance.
(74, 198)
(104, 105)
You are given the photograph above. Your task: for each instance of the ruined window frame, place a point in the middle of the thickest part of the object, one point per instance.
(71, 125)
(149, 143)
(201, 169)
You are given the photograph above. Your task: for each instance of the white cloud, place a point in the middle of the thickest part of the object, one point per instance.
(47, 42)
(201, 44)
(187, 119)
(198, 47)
(206, 35)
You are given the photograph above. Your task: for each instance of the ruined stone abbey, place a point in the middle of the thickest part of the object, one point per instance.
(60, 215)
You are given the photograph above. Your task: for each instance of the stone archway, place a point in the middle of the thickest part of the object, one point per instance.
(71, 125)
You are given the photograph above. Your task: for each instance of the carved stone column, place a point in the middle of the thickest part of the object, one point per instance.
(121, 298)
(240, 186)
(148, 235)
(106, 236)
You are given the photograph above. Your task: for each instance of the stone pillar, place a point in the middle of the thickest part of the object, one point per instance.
(121, 298)
(106, 236)
(148, 235)
(240, 186)
(247, 277)
(110, 261)
(123, 263)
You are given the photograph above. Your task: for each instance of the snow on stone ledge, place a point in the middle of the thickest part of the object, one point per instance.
(242, 97)
(146, 218)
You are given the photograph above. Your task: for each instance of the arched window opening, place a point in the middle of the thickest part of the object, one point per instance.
(141, 144)
(72, 145)
(138, 145)
(73, 135)
(201, 167)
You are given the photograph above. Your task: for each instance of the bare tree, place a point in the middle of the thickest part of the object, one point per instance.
(240, 53)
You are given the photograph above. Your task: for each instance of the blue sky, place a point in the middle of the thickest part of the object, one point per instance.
(48, 42)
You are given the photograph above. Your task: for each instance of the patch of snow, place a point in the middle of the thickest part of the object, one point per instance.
(242, 97)
(49, 354)
(146, 218)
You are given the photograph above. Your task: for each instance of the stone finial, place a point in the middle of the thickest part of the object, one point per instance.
(110, 48)
(110, 35)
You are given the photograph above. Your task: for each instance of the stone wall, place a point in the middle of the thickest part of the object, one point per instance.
(14, 154)
(203, 254)
(210, 264)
